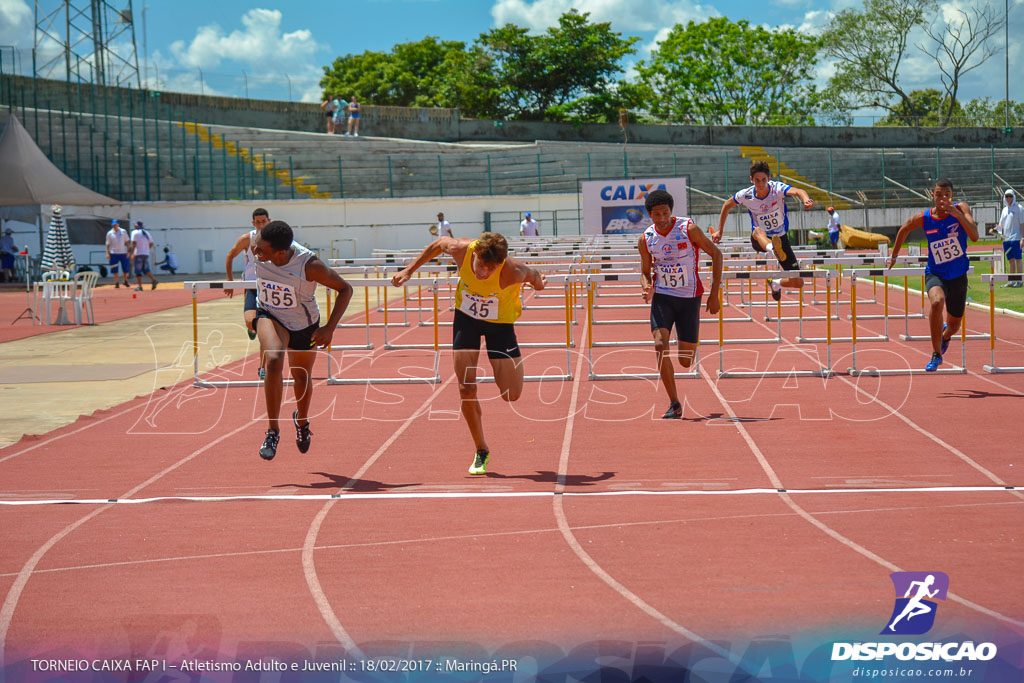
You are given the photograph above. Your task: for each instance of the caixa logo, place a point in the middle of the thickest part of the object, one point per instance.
(610, 193)
(914, 614)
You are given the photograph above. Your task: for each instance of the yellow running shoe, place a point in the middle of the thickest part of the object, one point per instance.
(780, 253)
(480, 461)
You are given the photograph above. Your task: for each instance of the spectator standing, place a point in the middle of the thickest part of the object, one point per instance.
(528, 228)
(117, 251)
(444, 228)
(1010, 226)
(330, 111)
(353, 117)
(833, 226)
(142, 244)
(7, 253)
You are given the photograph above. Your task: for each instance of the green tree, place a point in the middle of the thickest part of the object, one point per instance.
(723, 72)
(563, 74)
(869, 47)
(411, 75)
(992, 113)
(921, 108)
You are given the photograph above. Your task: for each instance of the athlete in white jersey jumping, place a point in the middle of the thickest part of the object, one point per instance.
(765, 200)
(288, 321)
(670, 249)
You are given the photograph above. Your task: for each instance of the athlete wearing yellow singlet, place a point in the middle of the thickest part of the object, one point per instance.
(487, 304)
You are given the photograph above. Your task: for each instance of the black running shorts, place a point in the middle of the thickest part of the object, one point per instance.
(790, 263)
(955, 291)
(683, 312)
(501, 337)
(298, 340)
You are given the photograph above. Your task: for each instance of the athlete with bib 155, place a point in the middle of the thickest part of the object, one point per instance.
(487, 304)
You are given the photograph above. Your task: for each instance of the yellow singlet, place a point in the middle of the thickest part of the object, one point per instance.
(485, 299)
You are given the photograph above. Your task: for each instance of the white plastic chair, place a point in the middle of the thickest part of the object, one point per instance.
(81, 297)
(57, 287)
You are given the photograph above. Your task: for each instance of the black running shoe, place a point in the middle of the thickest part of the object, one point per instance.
(269, 448)
(776, 293)
(674, 412)
(303, 436)
(944, 344)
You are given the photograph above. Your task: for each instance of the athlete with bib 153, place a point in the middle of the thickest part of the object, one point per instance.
(487, 304)
(947, 225)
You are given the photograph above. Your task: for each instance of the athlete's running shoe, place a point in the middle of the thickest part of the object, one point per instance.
(780, 253)
(480, 461)
(776, 293)
(262, 372)
(674, 412)
(944, 344)
(303, 436)
(269, 448)
(934, 363)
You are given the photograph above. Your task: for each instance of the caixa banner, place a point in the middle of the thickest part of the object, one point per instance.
(612, 207)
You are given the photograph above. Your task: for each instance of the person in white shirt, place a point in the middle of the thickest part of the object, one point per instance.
(117, 251)
(833, 226)
(1010, 227)
(444, 228)
(142, 244)
(528, 228)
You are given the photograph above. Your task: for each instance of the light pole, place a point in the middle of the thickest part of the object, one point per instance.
(1006, 30)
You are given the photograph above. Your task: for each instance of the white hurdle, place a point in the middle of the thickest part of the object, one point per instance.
(992, 280)
(854, 371)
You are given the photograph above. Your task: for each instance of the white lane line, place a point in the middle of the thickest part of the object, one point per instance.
(429, 495)
(14, 593)
(496, 534)
(588, 561)
(316, 590)
(824, 527)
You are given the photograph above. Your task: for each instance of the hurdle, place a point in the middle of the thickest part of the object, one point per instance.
(592, 279)
(824, 372)
(992, 280)
(854, 371)
(923, 259)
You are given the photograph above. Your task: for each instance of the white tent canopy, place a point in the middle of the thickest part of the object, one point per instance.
(30, 183)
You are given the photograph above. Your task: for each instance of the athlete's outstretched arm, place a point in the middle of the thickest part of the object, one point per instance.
(524, 273)
(701, 240)
(317, 271)
(802, 195)
(911, 224)
(716, 237)
(646, 286)
(456, 247)
(241, 244)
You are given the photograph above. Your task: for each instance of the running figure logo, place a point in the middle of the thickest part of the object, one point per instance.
(914, 612)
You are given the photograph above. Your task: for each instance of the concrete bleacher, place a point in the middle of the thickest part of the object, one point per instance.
(132, 158)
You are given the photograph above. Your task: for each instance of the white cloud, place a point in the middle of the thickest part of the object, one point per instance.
(15, 23)
(625, 15)
(268, 58)
(260, 43)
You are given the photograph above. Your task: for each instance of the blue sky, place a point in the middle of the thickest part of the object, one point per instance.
(276, 50)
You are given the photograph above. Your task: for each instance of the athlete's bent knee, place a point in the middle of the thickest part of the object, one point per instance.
(467, 390)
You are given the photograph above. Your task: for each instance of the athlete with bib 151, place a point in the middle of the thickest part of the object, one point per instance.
(487, 304)
(671, 249)
(947, 225)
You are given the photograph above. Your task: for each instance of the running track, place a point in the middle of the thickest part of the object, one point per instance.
(773, 512)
